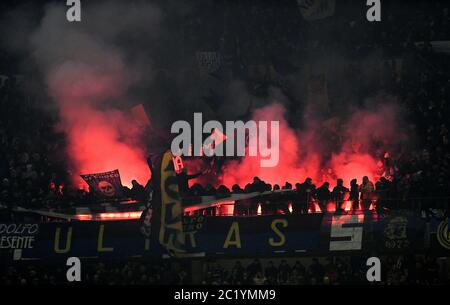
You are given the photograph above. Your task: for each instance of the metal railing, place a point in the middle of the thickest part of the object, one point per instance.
(260, 208)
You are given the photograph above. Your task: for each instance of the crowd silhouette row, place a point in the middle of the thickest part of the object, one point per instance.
(340, 270)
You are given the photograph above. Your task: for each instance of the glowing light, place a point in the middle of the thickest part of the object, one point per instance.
(99, 137)
(83, 217)
(331, 207)
(347, 205)
(315, 207)
(226, 209)
(110, 216)
(120, 215)
(290, 207)
(301, 155)
(259, 211)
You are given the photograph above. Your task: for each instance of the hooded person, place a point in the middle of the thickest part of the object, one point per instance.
(367, 191)
(339, 193)
(354, 194)
(149, 223)
(323, 196)
(306, 193)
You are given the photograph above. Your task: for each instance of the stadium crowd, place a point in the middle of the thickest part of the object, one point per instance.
(339, 270)
(33, 169)
(396, 270)
(99, 273)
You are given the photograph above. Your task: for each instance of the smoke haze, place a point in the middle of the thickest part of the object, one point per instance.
(123, 54)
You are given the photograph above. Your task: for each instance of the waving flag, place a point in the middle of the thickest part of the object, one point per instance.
(106, 185)
(162, 220)
(171, 234)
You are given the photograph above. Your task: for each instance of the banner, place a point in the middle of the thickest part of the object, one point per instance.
(105, 185)
(140, 115)
(114, 239)
(150, 221)
(439, 46)
(400, 232)
(440, 228)
(316, 9)
(171, 229)
(18, 236)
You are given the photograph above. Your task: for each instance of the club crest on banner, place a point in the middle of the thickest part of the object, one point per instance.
(443, 235)
(106, 188)
(396, 233)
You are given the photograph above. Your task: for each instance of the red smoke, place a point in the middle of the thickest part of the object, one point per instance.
(102, 138)
(290, 166)
(99, 137)
(325, 150)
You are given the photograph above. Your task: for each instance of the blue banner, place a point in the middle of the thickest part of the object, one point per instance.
(105, 185)
(399, 232)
